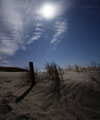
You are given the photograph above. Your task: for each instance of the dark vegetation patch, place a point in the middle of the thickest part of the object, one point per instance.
(13, 69)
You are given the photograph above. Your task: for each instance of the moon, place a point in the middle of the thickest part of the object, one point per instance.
(48, 11)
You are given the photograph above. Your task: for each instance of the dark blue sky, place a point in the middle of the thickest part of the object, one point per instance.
(71, 37)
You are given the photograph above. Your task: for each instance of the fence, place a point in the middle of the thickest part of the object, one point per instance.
(33, 82)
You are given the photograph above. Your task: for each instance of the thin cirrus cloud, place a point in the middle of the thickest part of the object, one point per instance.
(60, 29)
(37, 33)
(16, 24)
(4, 61)
(21, 26)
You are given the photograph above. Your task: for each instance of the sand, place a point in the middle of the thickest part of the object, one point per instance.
(79, 97)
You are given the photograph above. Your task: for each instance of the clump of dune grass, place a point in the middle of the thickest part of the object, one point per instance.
(95, 72)
(54, 71)
(54, 90)
(77, 68)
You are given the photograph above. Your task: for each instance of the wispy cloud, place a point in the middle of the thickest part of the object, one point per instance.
(38, 31)
(18, 26)
(60, 29)
(4, 61)
(21, 26)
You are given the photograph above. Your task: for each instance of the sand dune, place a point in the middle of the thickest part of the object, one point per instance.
(79, 98)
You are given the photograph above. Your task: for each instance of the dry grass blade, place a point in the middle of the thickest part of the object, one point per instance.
(53, 93)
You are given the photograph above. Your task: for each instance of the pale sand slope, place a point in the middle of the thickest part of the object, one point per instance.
(79, 100)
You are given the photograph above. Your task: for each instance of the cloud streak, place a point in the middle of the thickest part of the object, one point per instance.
(21, 26)
(60, 29)
(4, 61)
(17, 27)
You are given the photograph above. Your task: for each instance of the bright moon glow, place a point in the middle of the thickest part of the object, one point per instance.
(48, 11)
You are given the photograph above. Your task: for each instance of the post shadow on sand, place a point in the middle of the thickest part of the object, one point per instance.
(32, 76)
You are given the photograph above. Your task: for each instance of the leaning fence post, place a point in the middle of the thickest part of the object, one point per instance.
(32, 73)
(32, 77)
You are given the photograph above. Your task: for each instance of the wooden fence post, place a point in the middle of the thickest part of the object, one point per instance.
(32, 77)
(32, 73)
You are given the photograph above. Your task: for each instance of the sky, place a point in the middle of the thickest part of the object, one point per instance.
(61, 31)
